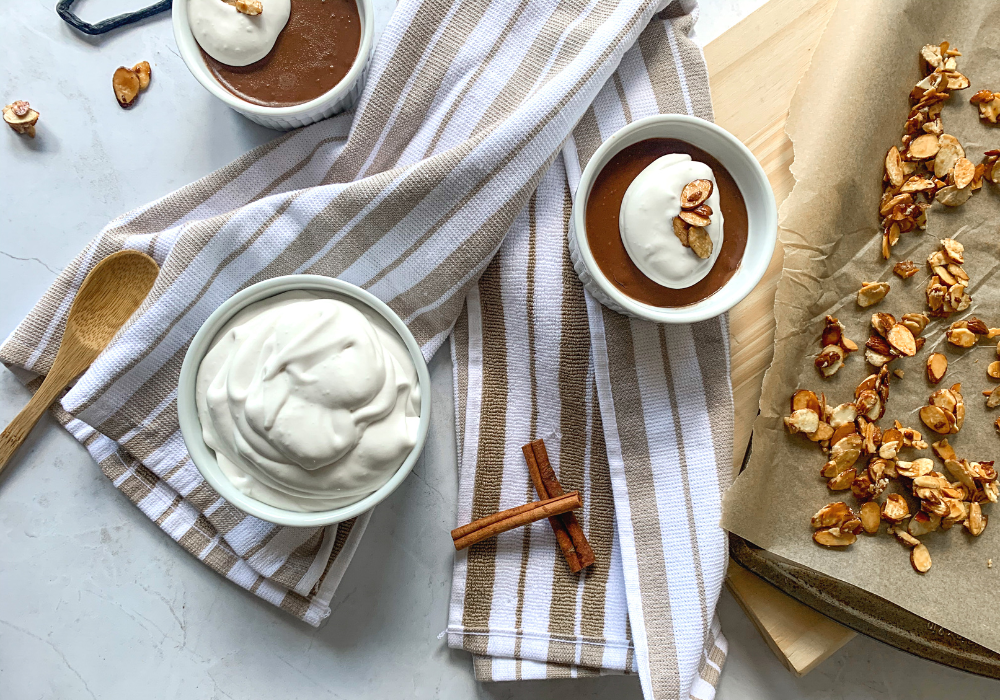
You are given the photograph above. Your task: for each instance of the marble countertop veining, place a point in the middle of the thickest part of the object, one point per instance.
(97, 602)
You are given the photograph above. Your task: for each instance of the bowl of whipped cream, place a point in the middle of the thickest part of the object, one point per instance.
(304, 400)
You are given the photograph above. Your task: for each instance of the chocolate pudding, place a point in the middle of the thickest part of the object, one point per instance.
(312, 54)
(605, 239)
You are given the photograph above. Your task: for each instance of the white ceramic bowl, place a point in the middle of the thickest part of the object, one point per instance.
(187, 409)
(750, 178)
(343, 96)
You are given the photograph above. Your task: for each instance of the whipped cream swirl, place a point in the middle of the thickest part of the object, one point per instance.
(649, 206)
(309, 402)
(233, 38)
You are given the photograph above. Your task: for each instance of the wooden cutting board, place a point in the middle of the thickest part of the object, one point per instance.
(754, 69)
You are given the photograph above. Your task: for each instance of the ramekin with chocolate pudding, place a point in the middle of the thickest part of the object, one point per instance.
(673, 221)
(280, 63)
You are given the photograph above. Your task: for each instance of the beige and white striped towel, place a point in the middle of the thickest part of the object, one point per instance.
(457, 140)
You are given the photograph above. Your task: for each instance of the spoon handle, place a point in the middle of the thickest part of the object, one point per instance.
(23, 422)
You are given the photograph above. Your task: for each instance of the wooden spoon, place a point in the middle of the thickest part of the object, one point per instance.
(109, 295)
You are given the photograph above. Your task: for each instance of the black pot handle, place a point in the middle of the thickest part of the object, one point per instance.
(64, 11)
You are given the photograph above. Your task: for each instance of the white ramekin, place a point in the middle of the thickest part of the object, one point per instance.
(343, 96)
(187, 409)
(750, 178)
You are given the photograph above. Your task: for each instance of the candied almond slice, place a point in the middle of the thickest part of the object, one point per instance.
(894, 167)
(920, 558)
(895, 509)
(976, 522)
(695, 218)
(142, 70)
(804, 420)
(923, 147)
(953, 250)
(833, 537)
(964, 172)
(126, 84)
(700, 241)
(994, 369)
(961, 337)
(871, 517)
(937, 365)
(935, 418)
(681, 228)
(948, 154)
(842, 481)
(905, 269)
(872, 293)
(832, 515)
(952, 196)
(994, 398)
(830, 360)
(695, 193)
(901, 339)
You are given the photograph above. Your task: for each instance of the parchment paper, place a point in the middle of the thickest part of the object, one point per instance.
(847, 111)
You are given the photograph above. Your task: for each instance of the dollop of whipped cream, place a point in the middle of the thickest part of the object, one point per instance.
(233, 38)
(650, 204)
(309, 402)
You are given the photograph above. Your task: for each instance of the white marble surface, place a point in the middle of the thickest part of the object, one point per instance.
(96, 602)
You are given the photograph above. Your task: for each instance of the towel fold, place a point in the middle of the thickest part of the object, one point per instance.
(447, 194)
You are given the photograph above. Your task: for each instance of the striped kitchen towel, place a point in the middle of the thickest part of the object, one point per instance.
(636, 416)
(467, 142)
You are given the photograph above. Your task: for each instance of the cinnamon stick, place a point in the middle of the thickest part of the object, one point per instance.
(562, 535)
(553, 489)
(493, 525)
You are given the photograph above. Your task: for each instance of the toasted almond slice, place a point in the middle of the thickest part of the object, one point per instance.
(882, 322)
(803, 398)
(915, 322)
(961, 337)
(804, 420)
(142, 70)
(994, 369)
(844, 414)
(872, 293)
(948, 154)
(695, 193)
(936, 419)
(895, 509)
(681, 228)
(830, 360)
(964, 172)
(920, 558)
(126, 84)
(937, 365)
(957, 81)
(916, 468)
(944, 398)
(976, 326)
(699, 241)
(905, 269)
(892, 202)
(901, 339)
(871, 517)
(823, 432)
(976, 521)
(843, 431)
(842, 481)
(994, 398)
(832, 515)
(894, 167)
(833, 537)
(917, 183)
(923, 147)
(869, 404)
(905, 537)
(922, 523)
(943, 450)
(695, 218)
(953, 250)
(952, 196)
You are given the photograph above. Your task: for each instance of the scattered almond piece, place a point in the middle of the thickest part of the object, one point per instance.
(681, 229)
(989, 105)
(961, 337)
(976, 522)
(872, 293)
(905, 269)
(695, 218)
(144, 72)
(994, 398)
(21, 117)
(126, 84)
(964, 172)
(937, 365)
(920, 558)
